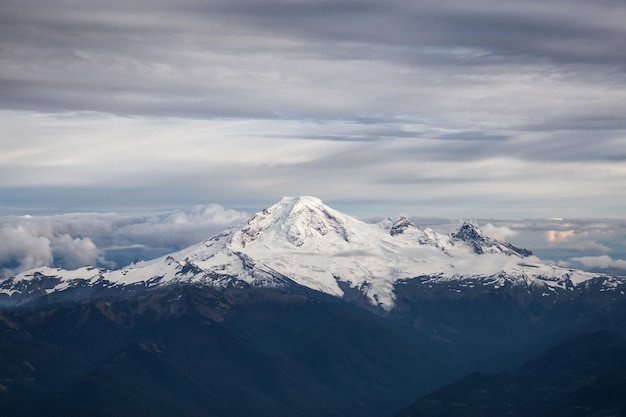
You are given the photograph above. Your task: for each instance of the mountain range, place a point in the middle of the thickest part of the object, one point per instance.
(300, 240)
(302, 310)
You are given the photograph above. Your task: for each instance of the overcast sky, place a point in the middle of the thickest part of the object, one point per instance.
(488, 108)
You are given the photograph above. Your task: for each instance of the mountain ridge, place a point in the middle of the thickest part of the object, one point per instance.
(301, 240)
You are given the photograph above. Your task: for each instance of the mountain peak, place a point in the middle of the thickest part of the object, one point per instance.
(401, 225)
(469, 232)
(295, 219)
(481, 243)
(303, 200)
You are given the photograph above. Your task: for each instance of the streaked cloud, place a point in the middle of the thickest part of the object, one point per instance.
(489, 108)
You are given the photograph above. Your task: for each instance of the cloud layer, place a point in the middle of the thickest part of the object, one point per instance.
(489, 108)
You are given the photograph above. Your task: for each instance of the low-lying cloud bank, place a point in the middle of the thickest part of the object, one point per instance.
(113, 240)
(104, 239)
(602, 262)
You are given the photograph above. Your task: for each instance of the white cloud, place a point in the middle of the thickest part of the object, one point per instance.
(499, 232)
(77, 239)
(180, 228)
(559, 235)
(75, 252)
(20, 250)
(578, 240)
(602, 261)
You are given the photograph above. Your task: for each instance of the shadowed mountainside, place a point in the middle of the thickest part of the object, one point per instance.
(195, 351)
(584, 376)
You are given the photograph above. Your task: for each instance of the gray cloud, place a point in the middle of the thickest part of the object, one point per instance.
(494, 107)
(216, 59)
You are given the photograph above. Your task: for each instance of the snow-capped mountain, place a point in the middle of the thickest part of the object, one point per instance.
(302, 240)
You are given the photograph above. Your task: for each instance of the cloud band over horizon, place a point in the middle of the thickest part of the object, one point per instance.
(112, 240)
